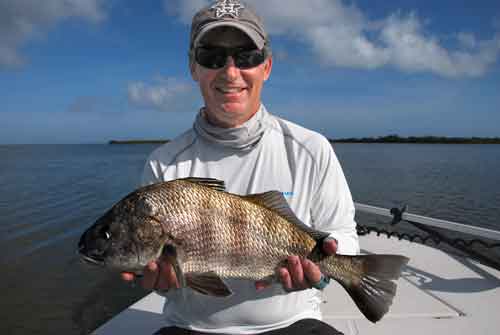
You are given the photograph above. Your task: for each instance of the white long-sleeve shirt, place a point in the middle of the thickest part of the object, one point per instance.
(277, 155)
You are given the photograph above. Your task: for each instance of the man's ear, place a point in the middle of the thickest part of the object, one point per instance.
(268, 66)
(192, 69)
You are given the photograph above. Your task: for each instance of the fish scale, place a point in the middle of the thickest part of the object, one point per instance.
(235, 230)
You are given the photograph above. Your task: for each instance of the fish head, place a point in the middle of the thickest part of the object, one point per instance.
(125, 238)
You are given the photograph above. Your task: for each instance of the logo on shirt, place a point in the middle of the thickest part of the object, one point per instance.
(287, 194)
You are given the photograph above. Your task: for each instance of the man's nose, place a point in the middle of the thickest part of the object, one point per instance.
(230, 69)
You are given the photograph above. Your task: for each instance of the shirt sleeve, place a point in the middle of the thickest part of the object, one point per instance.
(332, 207)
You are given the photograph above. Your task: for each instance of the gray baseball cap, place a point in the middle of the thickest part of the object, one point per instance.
(229, 13)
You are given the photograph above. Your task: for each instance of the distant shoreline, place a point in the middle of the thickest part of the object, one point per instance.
(420, 140)
(138, 141)
(382, 139)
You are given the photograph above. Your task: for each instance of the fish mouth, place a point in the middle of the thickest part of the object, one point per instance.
(89, 256)
(94, 260)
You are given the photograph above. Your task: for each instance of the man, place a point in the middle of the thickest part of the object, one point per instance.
(235, 139)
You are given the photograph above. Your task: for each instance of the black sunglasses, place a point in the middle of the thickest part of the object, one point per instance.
(216, 57)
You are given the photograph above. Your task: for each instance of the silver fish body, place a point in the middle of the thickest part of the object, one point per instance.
(209, 235)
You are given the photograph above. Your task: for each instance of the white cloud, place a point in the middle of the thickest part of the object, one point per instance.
(21, 20)
(467, 40)
(410, 49)
(341, 35)
(163, 94)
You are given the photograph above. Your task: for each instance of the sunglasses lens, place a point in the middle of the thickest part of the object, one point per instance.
(212, 58)
(247, 59)
(215, 58)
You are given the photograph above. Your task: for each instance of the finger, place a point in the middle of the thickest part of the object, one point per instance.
(127, 276)
(312, 273)
(330, 246)
(285, 279)
(167, 278)
(150, 276)
(297, 273)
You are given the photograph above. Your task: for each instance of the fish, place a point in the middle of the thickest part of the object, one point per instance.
(209, 235)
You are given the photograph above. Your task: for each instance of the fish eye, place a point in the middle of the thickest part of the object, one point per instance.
(105, 234)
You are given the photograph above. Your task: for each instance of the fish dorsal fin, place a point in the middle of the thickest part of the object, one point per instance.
(212, 183)
(275, 201)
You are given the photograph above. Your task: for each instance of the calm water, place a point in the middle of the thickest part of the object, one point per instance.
(50, 194)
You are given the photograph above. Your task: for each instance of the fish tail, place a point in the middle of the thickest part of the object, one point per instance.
(368, 279)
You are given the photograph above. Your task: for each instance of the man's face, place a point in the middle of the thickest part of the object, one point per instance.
(231, 95)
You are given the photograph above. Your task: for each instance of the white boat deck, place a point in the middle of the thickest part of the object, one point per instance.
(438, 293)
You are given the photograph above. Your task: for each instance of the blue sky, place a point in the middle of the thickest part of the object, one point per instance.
(74, 71)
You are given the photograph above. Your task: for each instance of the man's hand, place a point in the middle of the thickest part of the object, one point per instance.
(300, 273)
(159, 276)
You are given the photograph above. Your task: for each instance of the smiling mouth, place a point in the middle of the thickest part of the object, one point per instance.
(234, 90)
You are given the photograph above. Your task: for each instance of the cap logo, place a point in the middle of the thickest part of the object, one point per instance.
(227, 8)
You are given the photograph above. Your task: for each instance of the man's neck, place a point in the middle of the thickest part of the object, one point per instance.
(229, 123)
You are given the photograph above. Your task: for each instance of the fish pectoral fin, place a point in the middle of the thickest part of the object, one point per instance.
(171, 255)
(208, 284)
